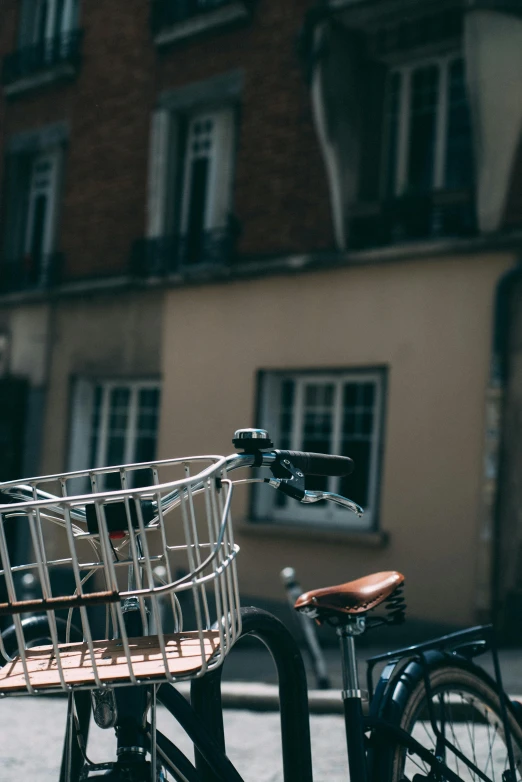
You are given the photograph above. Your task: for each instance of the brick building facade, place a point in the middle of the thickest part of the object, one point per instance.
(263, 209)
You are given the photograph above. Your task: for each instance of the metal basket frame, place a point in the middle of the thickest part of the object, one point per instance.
(211, 562)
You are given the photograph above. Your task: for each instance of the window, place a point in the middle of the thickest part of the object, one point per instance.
(195, 199)
(48, 48)
(338, 412)
(113, 422)
(45, 20)
(428, 130)
(190, 187)
(30, 227)
(41, 204)
(204, 195)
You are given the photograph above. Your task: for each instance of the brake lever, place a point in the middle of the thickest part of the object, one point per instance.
(309, 497)
(316, 496)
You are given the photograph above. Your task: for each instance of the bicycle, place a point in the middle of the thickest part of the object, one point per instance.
(117, 651)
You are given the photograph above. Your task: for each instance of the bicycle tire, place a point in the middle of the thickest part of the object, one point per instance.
(473, 722)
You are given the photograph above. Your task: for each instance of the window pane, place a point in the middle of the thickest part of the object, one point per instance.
(147, 428)
(423, 124)
(355, 486)
(40, 20)
(197, 205)
(317, 425)
(459, 156)
(95, 426)
(368, 394)
(58, 22)
(37, 232)
(392, 122)
(357, 438)
(285, 427)
(118, 423)
(198, 161)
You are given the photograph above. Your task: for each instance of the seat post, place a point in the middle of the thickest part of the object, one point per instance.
(352, 698)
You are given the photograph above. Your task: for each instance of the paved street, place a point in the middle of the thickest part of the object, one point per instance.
(32, 734)
(32, 728)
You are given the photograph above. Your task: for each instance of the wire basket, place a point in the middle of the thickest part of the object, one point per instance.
(132, 571)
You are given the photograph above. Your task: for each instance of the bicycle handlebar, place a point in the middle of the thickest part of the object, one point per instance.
(319, 463)
(309, 463)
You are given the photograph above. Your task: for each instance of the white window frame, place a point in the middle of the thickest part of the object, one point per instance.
(81, 423)
(163, 173)
(321, 514)
(402, 151)
(219, 173)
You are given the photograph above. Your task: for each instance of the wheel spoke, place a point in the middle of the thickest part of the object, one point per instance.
(470, 722)
(471, 736)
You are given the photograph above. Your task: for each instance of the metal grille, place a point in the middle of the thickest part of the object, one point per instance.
(154, 593)
(64, 49)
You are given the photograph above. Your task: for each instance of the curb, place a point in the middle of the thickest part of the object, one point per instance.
(257, 696)
(261, 697)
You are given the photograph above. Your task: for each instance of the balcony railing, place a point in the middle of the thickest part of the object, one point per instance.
(167, 255)
(47, 55)
(167, 13)
(416, 217)
(30, 274)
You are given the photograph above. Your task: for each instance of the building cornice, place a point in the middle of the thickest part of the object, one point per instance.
(289, 264)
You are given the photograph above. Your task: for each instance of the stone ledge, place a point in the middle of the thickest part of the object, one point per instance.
(39, 80)
(201, 23)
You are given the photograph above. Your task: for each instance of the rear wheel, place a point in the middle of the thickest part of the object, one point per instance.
(467, 706)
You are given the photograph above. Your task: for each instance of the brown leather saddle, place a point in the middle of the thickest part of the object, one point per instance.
(356, 598)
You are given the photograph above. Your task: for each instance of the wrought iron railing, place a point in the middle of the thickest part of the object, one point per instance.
(166, 255)
(44, 55)
(413, 217)
(30, 273)
(165, 13)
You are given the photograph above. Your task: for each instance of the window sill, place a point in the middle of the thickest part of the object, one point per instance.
(40, 79)
(199, 24)
(318, 534)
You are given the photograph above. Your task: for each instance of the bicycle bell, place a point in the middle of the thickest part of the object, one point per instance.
(252, 440)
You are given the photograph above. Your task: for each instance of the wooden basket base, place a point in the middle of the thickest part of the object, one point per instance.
(184, 656)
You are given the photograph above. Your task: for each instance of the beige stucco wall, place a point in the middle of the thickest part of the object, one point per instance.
(106, 335)
(429, 321)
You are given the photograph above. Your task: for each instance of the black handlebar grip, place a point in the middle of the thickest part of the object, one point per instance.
(319, 463)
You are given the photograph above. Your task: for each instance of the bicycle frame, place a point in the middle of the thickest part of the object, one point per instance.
(202, 718)
(466, 643)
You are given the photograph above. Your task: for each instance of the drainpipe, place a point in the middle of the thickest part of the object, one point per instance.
(489, 545)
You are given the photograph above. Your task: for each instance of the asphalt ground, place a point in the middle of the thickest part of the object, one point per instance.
(32, 737)
(32, 728)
